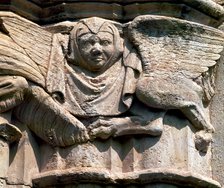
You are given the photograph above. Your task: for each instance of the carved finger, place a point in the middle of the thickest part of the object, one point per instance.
(102, 132)
(83, 136)
(98, 123)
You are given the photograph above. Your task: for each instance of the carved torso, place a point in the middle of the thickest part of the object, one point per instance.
(96, 95)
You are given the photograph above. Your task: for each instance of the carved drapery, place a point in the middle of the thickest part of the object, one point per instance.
(109, 103)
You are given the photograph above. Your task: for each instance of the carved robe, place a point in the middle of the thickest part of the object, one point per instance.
(110, 93)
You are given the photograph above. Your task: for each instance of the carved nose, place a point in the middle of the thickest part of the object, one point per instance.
(97, 50)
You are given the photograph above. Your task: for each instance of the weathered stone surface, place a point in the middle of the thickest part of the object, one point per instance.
(95, 48)
(202, 11)
(4, 158)
(130, 160)
(221, 2)
(2, 183)
(108, 103)
(159, 86)
(17, 186)
(24, 160)
(217, 119)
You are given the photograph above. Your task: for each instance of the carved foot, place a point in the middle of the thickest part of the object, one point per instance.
(155, 128)
(9, 132)
(104, 128)
(203, 140)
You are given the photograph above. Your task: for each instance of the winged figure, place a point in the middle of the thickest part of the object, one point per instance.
(179, 59)
(26, 52)
(71, 87)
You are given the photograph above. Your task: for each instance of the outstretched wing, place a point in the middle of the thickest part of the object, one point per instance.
(170, 46)
(24, 48)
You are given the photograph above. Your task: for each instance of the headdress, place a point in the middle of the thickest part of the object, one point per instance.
(94, 25)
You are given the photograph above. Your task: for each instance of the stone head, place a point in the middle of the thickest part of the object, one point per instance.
(95, 44)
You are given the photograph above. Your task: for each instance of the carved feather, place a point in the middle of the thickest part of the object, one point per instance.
(28, 50)
(175, 47)
(24, 49)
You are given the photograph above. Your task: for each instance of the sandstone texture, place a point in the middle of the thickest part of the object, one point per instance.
(111, 94)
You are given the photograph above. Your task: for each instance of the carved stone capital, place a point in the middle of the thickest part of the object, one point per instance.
(111, 93)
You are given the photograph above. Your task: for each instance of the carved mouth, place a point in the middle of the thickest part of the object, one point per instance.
(97, 59)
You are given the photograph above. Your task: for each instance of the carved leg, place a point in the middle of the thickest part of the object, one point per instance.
(11, 94)
(8, 131)
(12, 89)
(48, 120)
(196, 115)
(183, 94)
(134, 125)
(8, 134)
(137, 126)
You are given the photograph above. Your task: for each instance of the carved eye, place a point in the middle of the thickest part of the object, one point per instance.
(105, 42)
(84, 43)
(87, 42)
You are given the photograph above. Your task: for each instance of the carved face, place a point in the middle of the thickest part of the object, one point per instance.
(96, 50)
(95, 45)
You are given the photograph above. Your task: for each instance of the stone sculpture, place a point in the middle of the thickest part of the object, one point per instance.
(101, 79)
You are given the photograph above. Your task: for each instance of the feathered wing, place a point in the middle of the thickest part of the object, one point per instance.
(24, 48)
(29, 51)
(178, 59)
(170, 46)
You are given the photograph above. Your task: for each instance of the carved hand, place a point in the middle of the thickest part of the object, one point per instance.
(106, 127)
